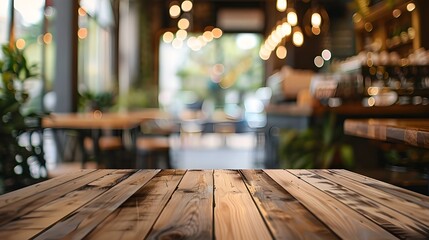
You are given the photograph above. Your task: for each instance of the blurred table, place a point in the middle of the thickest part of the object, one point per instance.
(414, 132)
(213, 204)
(94, 123)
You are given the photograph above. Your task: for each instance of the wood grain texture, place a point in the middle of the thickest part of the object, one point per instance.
(345, 222)
(393, 221)
(235, 214)
(28, 204)
(286, 216)
(409, 131)
(135, 218)
(403, 193)
(189, 213)
(78, 224)
(26, 227)
(408, 208)
(22, 193)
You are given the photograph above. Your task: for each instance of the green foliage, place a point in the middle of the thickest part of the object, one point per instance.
(320, 146)
(406, 156)
(14, 159)
(96, 101)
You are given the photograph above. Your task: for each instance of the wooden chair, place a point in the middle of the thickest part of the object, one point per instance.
(111, 151)
(153, 152)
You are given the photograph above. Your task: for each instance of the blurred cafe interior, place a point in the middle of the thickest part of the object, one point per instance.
(212, 84)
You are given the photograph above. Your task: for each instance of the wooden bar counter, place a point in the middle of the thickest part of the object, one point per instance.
(409, 131)
(213, 204)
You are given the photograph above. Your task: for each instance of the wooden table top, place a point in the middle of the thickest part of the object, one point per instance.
(208, 204)
(410, 131)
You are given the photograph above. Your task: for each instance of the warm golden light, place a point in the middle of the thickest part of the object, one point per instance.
(281, 52)
(411, 33)
(411, 6)
(82, 33)
(174, 11)
(316, 19)
(281, 5)
(217, 32)
(20, 44)
(168, 37)
(264, 54)
(286, 28)
(372, 91)
(208, 36)
(292, 18)
(315, 30)
(298, 38)
(81, 12)
(371, 101)
(357, 17)
(368, 27)
(183, 23)
(47, 38)
(396, 13)
(187, 6)
(181, 34)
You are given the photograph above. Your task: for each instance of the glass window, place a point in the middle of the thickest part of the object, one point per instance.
(95, 48)
(222, 73)
(28, 25)
(4, 21)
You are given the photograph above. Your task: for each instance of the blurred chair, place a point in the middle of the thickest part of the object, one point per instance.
(153, 145)
(110, 153)
(153, 152)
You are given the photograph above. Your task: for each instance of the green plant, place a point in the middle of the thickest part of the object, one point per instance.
(96, 101)
(319, 146)
(15, 170)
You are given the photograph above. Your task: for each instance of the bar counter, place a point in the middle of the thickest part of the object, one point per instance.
(213, 204)
(414, 132)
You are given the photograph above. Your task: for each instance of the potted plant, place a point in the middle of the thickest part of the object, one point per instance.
(15, 171)
(320, 146)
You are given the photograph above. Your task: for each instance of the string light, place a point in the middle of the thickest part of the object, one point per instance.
(281, 5)
(187, 6)
(298, 37)
(292, 18)
(281, 52)
(178, 38)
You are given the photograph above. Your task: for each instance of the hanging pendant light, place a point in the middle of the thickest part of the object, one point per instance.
(281, 5)
(297, 37)
(315, 21)
(292, 17)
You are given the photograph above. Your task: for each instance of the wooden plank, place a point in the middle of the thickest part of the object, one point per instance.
(286, 216)
(189, 213)
(78, 224)
(344, 221)
(235, 213)
(410, 209)
(20, 208)
(393, 221)
(22, 193)
(135, 218)
(26, 227)
(411, 196)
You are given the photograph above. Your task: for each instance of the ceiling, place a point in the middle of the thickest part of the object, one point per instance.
(206, 12)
